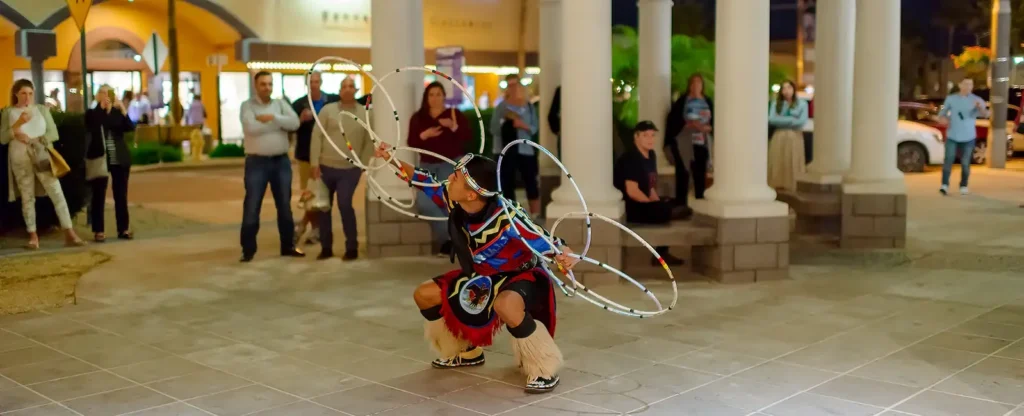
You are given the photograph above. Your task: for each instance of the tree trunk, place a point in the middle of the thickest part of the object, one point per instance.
(172, 46)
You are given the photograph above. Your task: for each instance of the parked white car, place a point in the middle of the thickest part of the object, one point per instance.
(918, 145)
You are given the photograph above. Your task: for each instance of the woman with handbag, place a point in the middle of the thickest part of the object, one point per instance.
(107, 156)
(34, 166)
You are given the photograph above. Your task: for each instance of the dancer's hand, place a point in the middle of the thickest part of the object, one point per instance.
(382, 151)
(566, 261)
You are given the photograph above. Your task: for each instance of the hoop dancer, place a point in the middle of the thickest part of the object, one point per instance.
(500, 280)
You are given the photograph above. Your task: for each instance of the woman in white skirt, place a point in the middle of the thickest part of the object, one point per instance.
(787, 115)
(20, 127)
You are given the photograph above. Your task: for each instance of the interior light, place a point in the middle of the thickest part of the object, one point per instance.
(776, 88)
(137, 57)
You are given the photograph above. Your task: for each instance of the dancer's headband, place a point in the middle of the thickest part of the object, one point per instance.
(461, 167)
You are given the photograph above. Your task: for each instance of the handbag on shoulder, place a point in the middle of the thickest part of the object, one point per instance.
(39, 155)
(97, 167)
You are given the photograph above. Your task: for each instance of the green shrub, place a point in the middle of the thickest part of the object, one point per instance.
(225, 150)
(148, 153)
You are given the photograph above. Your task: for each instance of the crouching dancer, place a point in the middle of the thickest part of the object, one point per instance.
(500, 281)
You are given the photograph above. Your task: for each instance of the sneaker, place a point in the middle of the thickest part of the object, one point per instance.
(963, 190)
(461, 360)
(541, 385)
(944, 189)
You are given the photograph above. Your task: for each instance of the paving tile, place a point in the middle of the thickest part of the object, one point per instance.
(1015, 351)
(380, 370)
(433, 383)
(29, 355)
(174, 409)
(990, 329)
(1009, 314)
(652, 349)
(965, 342)
(716, 361)
(81, 385)
(368, 400)
(996, 379)
(491, 398)
(603, 363)
(933, 403)
(297, 377)
(813, 404)
(197, 384)
(48, 370)
(779, 373)
(20, 398)
(299, 409)
(862, 390)
(918, 366)
(11, 341)
(559, 407)
(429, 408)
(120, 355)
(158, 369)
(118, 402)
(242, 401)
(689, 404)
(191, 342)
(45, 410)
(231, 355)
(734, 392)
(636, 389)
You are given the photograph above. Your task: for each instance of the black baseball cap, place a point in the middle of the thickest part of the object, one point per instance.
(645, 125)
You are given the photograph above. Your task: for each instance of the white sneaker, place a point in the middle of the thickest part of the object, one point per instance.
(944, 189)
(963, 190)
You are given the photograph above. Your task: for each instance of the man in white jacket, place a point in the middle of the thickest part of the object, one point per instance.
(266, 123)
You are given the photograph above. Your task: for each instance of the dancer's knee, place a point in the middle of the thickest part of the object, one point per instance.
(427, 295)
(510, 307)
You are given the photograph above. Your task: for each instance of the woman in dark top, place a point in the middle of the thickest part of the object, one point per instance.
(106, 124)
(688, 132)
(444, 131)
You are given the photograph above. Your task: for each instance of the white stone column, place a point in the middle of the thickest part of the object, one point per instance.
(740, 150)
(550, 74)
(876, 96)
(655, 81)
(586, 104)
(394, 44)
(833, 88)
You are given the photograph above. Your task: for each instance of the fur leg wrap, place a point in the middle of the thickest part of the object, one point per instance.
(442, 341)
(536, 352)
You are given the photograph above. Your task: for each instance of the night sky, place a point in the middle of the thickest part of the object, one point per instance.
(783, 19)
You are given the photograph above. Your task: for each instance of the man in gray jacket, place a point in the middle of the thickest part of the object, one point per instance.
(339, 175)
(266, 123)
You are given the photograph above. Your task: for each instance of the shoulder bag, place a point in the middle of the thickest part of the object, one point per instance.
(97, 168)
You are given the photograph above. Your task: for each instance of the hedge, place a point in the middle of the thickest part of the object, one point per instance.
(71, 128)
(227, 150)
(148, 153)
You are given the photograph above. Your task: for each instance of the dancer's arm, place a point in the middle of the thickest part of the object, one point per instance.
(434, 189)
(533, 235)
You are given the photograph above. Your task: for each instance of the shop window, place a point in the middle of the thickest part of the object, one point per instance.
(188, 87)
(234, 90)
(120, 81)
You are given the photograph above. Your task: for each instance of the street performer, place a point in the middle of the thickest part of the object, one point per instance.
(500, 280)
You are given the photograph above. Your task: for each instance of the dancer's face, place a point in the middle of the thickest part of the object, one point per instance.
(459, 190)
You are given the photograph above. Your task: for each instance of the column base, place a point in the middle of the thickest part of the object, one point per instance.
(391, 234)
(874, 215)
(818, 207)
(746, 249)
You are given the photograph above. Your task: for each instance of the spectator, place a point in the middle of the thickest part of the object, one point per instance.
(637, 178)
(555, 118)
(960, 111)
(23, 126)
(515, 119)
(140, 111)
(305, 133)
(107, 123)
(53, 100)
(786, 159)
(265, 124)
(338, 174)
(126, 100)
(196, 112)
(688, 132)
(443, 131)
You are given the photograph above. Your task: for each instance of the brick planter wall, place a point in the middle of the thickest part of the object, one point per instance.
(818, 208)
(745, 250)
(874, 221)
(390, 234)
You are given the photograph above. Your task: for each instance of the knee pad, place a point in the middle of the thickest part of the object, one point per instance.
(525, 328)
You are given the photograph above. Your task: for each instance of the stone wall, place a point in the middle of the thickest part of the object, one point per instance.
(874, 221)
(745, 250)
(818, 208)
(390, 234)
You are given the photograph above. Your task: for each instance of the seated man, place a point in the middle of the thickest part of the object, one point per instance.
(637, 178)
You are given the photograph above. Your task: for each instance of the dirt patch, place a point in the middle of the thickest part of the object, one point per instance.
(43, 281)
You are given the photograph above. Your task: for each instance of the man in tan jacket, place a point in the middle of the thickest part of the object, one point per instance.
(338, 174)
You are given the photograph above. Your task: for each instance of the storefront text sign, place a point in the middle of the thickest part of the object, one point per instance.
(79, 11)
(450, 60)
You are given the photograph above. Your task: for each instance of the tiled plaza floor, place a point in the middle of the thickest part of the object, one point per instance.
(174, 326)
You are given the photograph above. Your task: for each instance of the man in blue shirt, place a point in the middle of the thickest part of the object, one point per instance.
(959, 112)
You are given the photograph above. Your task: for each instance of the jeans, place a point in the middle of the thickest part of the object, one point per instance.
(119, 184)
(344, 183)
(699, 168)
(966, 150)
(427, 207)
(261, 171)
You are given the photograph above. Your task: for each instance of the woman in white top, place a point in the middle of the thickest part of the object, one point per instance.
(21, 126)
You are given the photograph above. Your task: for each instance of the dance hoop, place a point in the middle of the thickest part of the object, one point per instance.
(517, 219)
